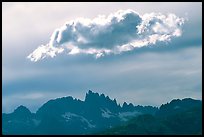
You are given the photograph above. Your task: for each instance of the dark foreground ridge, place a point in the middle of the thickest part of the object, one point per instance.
(98, 114)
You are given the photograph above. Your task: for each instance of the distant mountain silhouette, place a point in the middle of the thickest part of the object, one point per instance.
(179, 117)
(177, 105)
(95, 114)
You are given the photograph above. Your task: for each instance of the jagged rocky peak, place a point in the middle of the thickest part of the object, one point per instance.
(22, 110)
(100, 100)
(124, 104)
(96, 96)
(91, 96)
(90, 92)
(127, 107)
(115, 101)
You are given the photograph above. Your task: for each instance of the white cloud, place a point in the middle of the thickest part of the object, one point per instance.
(43, 51)
(121, 31)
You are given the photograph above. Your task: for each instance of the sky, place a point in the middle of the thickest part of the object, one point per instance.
(139, 52)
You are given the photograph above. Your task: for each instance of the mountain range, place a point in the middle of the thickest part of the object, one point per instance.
(98, 114)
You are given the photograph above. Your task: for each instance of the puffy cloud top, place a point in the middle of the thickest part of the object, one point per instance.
(121, 31)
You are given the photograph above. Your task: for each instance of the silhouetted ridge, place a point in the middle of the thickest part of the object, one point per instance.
(22, 110)
(68, 115)
(128, 107)
(177, 105)
(60, 106)
(100, 101)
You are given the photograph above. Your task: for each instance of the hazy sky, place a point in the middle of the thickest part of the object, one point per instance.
(150, 75)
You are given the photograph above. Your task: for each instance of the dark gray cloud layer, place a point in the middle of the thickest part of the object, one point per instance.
(150, 77)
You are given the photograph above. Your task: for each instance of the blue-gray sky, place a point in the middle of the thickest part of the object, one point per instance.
(150, 75)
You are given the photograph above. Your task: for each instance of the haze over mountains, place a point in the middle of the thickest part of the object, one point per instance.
(98, 114)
